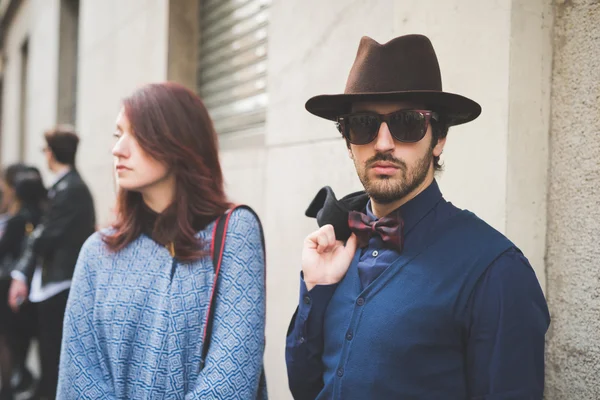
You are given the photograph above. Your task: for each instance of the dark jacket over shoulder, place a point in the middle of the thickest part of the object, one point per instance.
(56, 242)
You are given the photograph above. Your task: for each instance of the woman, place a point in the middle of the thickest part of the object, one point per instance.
(24, 194)
(135, 316)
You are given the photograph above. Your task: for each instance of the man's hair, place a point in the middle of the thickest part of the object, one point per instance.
(62, 141)
(439, 130)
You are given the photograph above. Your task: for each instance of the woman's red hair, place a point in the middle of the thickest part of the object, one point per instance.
(172, 125)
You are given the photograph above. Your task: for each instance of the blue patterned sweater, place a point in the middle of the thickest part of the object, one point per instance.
(132, 332)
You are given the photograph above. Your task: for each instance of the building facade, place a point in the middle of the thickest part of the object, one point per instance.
(529, 165)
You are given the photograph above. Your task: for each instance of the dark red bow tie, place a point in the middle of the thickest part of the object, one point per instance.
(390, 228)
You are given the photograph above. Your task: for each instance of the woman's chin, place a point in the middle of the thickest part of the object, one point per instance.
(127, 185)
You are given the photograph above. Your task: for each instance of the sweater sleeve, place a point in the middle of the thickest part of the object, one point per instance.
(234, 363)
(83, 373)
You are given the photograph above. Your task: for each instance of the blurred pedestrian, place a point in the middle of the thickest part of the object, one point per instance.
(25, 194)
(52, 250)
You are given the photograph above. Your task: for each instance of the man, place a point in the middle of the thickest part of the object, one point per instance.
(423, 300)
(55, 244)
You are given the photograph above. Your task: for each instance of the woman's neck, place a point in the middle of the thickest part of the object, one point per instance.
(157, 205)
(159, 196)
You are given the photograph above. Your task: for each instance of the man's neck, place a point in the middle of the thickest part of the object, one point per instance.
(61, 169)
(381, 210)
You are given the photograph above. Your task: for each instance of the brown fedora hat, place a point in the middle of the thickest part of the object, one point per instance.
(404, 69)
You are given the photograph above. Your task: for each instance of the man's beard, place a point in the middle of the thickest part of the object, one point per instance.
(385, 189)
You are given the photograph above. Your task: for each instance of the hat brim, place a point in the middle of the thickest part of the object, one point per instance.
(455, 108)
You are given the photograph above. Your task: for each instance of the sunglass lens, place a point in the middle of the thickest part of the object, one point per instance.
(362, 128)
(408, 126)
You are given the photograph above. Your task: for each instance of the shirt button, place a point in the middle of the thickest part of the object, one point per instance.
(306, 300)
(349, 336)
(375, 253)
(340, 372)
(360, 301)
(301, 340)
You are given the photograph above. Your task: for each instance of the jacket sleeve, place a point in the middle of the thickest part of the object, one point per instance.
(234, 363)
(25, 266)
(83, 372)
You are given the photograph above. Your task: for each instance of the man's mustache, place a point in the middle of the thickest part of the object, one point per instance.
(386, 158)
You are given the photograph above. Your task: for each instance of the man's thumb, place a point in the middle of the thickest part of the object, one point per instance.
(351, 244)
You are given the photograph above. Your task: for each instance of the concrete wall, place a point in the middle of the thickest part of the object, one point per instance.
(36, 21)
(573, 353)
(530, 67)
(122, 45)
(12, 71)
(67, 67)
(183, 37)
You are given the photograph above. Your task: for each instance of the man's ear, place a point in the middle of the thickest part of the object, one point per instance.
(439, 147)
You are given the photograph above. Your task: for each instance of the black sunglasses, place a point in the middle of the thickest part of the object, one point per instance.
(408, 126)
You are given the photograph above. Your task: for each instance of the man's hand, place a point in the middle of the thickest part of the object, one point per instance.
(325, 260)
(17, 294)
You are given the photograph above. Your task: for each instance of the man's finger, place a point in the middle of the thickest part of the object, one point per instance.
(323, 242)
(351, 245)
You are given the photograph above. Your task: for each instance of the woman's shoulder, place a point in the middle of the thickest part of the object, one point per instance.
(13, 228)
(19, 218)
(244, 219)
(237, 221)
(94, 244)
(95, 252)
(244, 231)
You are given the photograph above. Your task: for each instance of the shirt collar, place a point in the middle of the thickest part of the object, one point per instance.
(415, 209)
(58, 177)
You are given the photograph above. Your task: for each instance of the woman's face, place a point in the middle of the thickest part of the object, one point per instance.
(8, 192)
(134, 168)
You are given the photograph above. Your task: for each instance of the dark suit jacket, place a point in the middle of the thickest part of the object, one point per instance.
(56, 242)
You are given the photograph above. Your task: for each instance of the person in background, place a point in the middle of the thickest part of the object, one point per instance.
(52, 250)
(25, 194)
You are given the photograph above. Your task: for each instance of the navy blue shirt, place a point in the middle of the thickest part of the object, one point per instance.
(504, 352)
(375, 258)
